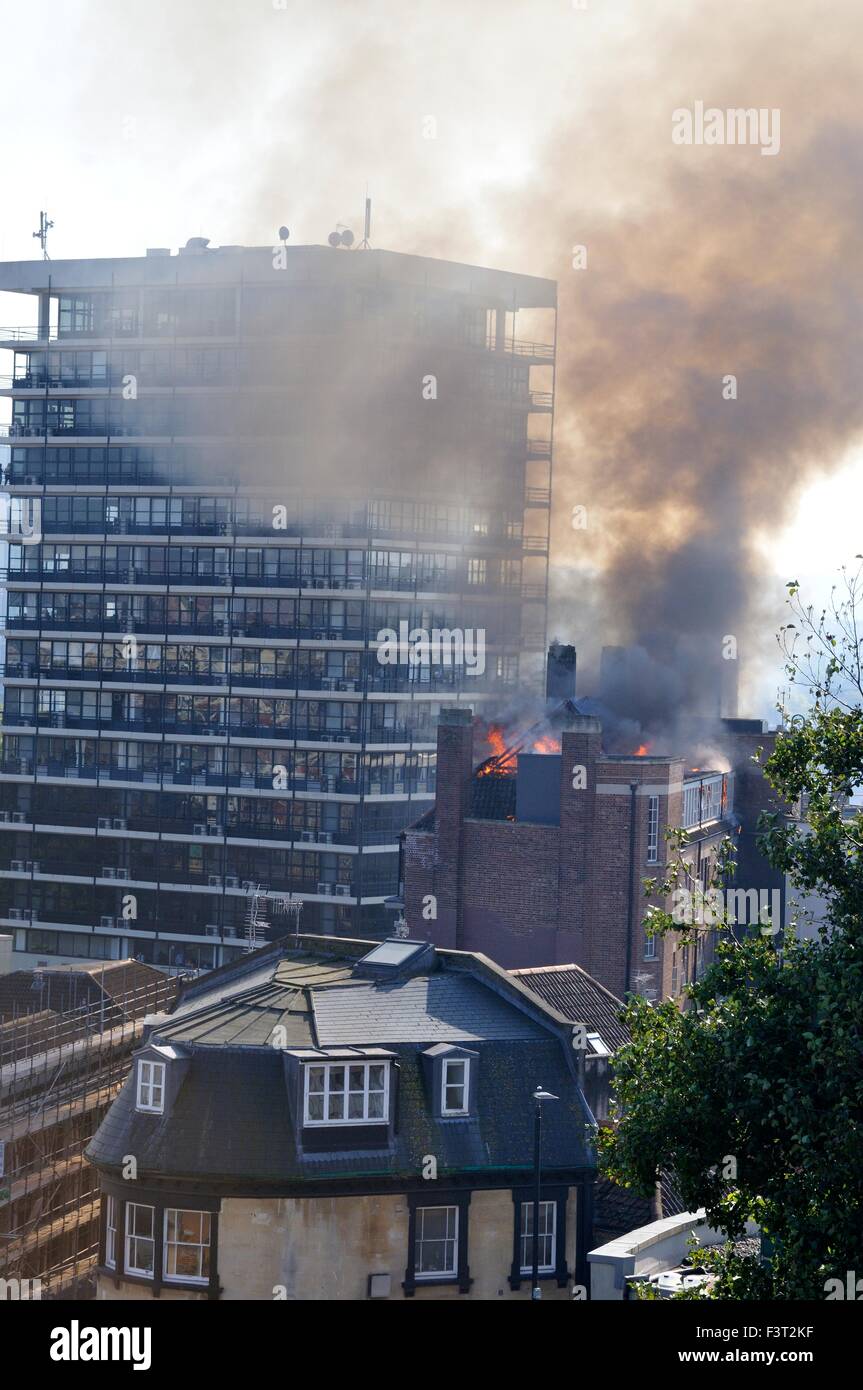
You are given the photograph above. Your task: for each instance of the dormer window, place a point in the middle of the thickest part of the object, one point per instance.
(455, 1083)
(151, 1087)
(340, 1093)
(451, 1075)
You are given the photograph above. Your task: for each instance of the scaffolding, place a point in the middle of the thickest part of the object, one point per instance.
(59, 1072)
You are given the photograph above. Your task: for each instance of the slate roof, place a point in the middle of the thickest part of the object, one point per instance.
(230, 1120)
(442, 1007)
(578, 996)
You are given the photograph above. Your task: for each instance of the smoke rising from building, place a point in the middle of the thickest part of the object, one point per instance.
(703, 263)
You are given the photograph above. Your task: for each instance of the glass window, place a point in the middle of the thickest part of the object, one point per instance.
(140, 1241)
(436, 1243)
(354, 1093)
(547, 1237)
(111, 1233)
(454, 1086)
(187, 1245)
(652, 829)
(151, 1086)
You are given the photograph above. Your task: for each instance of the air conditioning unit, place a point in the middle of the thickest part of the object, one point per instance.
(215, 830)
(199, 829)
(16, 866)
(16, 914)
(232, 882)
(319, 584)
(327, 683)
(104, 822)
(19, 818)
(5, 816)
(212, 929)
(326, 889)
(109, 872)
(118, 823)
(342, 890)
(33, 866)
(30, 481)
(307, 836)
(214, 880)
(106, 922)
(346, 685)
(325, 837)
(121, 873)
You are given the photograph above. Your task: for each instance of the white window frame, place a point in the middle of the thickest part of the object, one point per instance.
(526, 1237)
(111, 1232)
(151, 1087)
(451, 1271)
(206, 1221)
(653, 830)
(130, 1268)
(328, 1069)
(650, 948)
(448, 1062)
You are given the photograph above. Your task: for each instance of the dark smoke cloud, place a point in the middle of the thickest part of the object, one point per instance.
(701, 261)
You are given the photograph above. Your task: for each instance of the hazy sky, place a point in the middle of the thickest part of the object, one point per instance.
(505, 134)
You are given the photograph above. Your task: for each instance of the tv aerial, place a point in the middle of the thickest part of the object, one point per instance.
(42, 234)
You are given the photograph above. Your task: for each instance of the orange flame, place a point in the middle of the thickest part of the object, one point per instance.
(546, 744)
(642, 750)
(494, 737)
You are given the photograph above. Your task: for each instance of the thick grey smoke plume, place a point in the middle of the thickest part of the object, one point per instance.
(553, 129)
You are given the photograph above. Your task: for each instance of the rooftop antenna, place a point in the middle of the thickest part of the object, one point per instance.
(42, 234)
(365, 244)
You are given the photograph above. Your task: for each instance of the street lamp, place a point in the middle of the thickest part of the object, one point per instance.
(539, 1096)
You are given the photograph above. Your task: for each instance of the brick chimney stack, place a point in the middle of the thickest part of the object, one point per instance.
(454, 780)
(581, 746)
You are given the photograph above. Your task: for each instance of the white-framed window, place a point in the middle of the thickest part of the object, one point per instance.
(151, 1087)
(547, 1237)
(455, 1082)
(436, 1242)
(140, 1240)
(650, 948)
(346, 1093)
(187, 1245)
(111, 1232)
(652, 829)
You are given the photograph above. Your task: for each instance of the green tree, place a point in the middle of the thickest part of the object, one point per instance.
(753, 1095)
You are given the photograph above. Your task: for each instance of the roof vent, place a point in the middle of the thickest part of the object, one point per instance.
(158, 250)
(396, 959)
(195, 245)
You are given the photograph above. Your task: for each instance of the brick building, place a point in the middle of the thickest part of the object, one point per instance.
(545, 865)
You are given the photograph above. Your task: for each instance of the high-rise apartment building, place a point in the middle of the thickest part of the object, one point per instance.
(267, 509)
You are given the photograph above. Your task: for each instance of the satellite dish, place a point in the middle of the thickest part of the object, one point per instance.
(334, 239)
(283, 234)
(347, 237)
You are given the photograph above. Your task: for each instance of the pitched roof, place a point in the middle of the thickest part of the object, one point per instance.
(579, 997)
